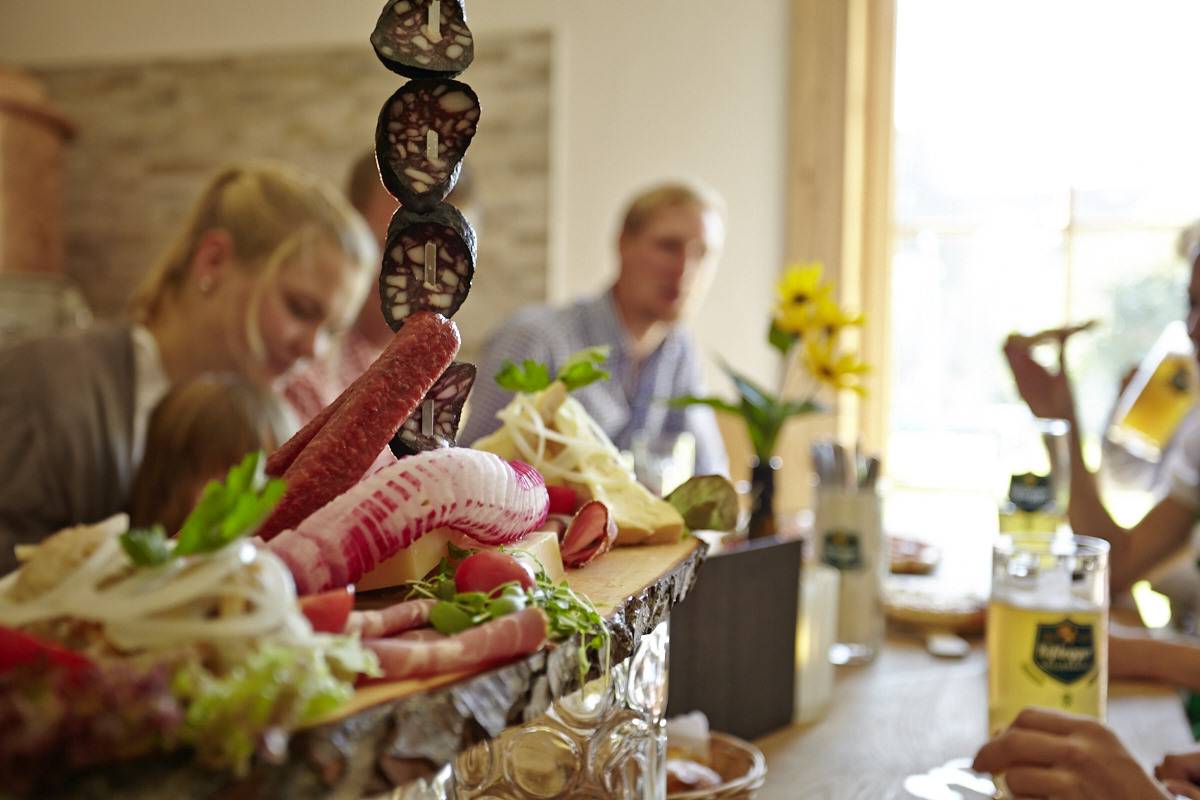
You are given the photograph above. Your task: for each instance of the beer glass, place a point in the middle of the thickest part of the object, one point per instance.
(1158, 397)
(1047, 626)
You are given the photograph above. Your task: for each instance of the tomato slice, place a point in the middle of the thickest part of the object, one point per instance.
(20, 649)
(327, 612)
(485, 570)
(563, 499)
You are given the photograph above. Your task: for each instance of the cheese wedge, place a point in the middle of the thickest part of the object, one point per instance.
(421, 557)
(411, 564)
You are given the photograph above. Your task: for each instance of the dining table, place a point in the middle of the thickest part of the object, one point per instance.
(908, 712)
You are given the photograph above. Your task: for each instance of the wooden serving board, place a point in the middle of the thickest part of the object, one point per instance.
(609, 583)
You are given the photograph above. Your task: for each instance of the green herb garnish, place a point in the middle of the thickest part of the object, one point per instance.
(146, 547)
(531, 376)
(569, 614)
(226, 512)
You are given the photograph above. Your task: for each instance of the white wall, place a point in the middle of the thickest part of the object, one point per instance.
(645, 89)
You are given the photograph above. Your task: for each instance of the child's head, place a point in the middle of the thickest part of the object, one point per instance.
(200, 429)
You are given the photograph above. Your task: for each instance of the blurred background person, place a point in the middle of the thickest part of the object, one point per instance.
(668, 247)
(318, 382)
(1166, 529)
(200, 429)
(269, 265)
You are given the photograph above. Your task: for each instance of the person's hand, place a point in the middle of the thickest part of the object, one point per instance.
(1047, 393)
(1057, 756)
(1181, 774)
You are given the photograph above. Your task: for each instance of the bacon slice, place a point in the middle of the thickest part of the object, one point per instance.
(480, 494)
(490, 643)
(394, 619)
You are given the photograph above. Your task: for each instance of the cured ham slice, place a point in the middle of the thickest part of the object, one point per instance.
(490, 643)
(395, 619)
(491, 500)
(589, 535)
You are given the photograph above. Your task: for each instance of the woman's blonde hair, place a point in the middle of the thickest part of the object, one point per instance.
(270, 211)
(650, 201)
(200, 429)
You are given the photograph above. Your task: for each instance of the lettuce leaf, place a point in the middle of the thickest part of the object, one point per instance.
(270, 691)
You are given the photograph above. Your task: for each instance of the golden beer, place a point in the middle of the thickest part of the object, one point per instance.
(1047, 627)
(1162, 391)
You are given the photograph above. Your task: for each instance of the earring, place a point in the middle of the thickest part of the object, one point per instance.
(206, 284)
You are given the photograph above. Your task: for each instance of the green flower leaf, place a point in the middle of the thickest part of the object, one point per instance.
(780, 339)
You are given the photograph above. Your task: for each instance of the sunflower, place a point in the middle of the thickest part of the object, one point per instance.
(800, 291)
(839, 370)
(830, 318)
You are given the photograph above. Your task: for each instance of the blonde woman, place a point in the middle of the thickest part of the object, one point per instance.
(270, 264)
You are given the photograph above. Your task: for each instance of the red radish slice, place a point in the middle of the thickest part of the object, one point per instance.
(328, 612)
(491, 500)
(490, 643)
(590, 534)
(388, 621)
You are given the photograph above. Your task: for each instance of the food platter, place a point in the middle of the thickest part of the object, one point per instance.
(390, 732)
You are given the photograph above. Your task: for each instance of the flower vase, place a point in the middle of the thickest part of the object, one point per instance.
(762, 496)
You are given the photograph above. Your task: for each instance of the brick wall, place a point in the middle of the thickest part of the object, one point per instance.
(151, 133)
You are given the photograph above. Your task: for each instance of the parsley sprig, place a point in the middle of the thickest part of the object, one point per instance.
(530, 376)
(227, 511)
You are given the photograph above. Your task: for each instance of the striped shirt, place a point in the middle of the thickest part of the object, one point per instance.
(631, 405)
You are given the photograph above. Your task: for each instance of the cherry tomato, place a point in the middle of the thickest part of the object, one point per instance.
(327, 612)
(563, 499)
(19, 649)
(487, 569)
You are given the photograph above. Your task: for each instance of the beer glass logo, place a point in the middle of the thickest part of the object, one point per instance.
(1064, 651)
(1030, 492)
(843, 550)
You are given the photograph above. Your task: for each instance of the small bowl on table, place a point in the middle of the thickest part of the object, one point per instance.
(741, 765)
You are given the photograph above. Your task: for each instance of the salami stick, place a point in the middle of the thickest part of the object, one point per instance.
(374, 406)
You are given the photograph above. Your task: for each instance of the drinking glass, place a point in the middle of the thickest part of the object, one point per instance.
(1159, 396)
(1047, 627)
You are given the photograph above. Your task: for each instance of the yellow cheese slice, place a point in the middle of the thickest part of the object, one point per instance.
(410, 564)
(540, 548)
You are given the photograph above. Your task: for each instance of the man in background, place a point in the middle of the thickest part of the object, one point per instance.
(669, 243)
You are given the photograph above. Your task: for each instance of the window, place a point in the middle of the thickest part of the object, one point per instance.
(1045, 160)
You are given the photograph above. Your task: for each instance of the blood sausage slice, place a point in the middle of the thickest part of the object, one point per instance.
(448, 395)
(407, 45)
(420, 170)
(403, 288)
